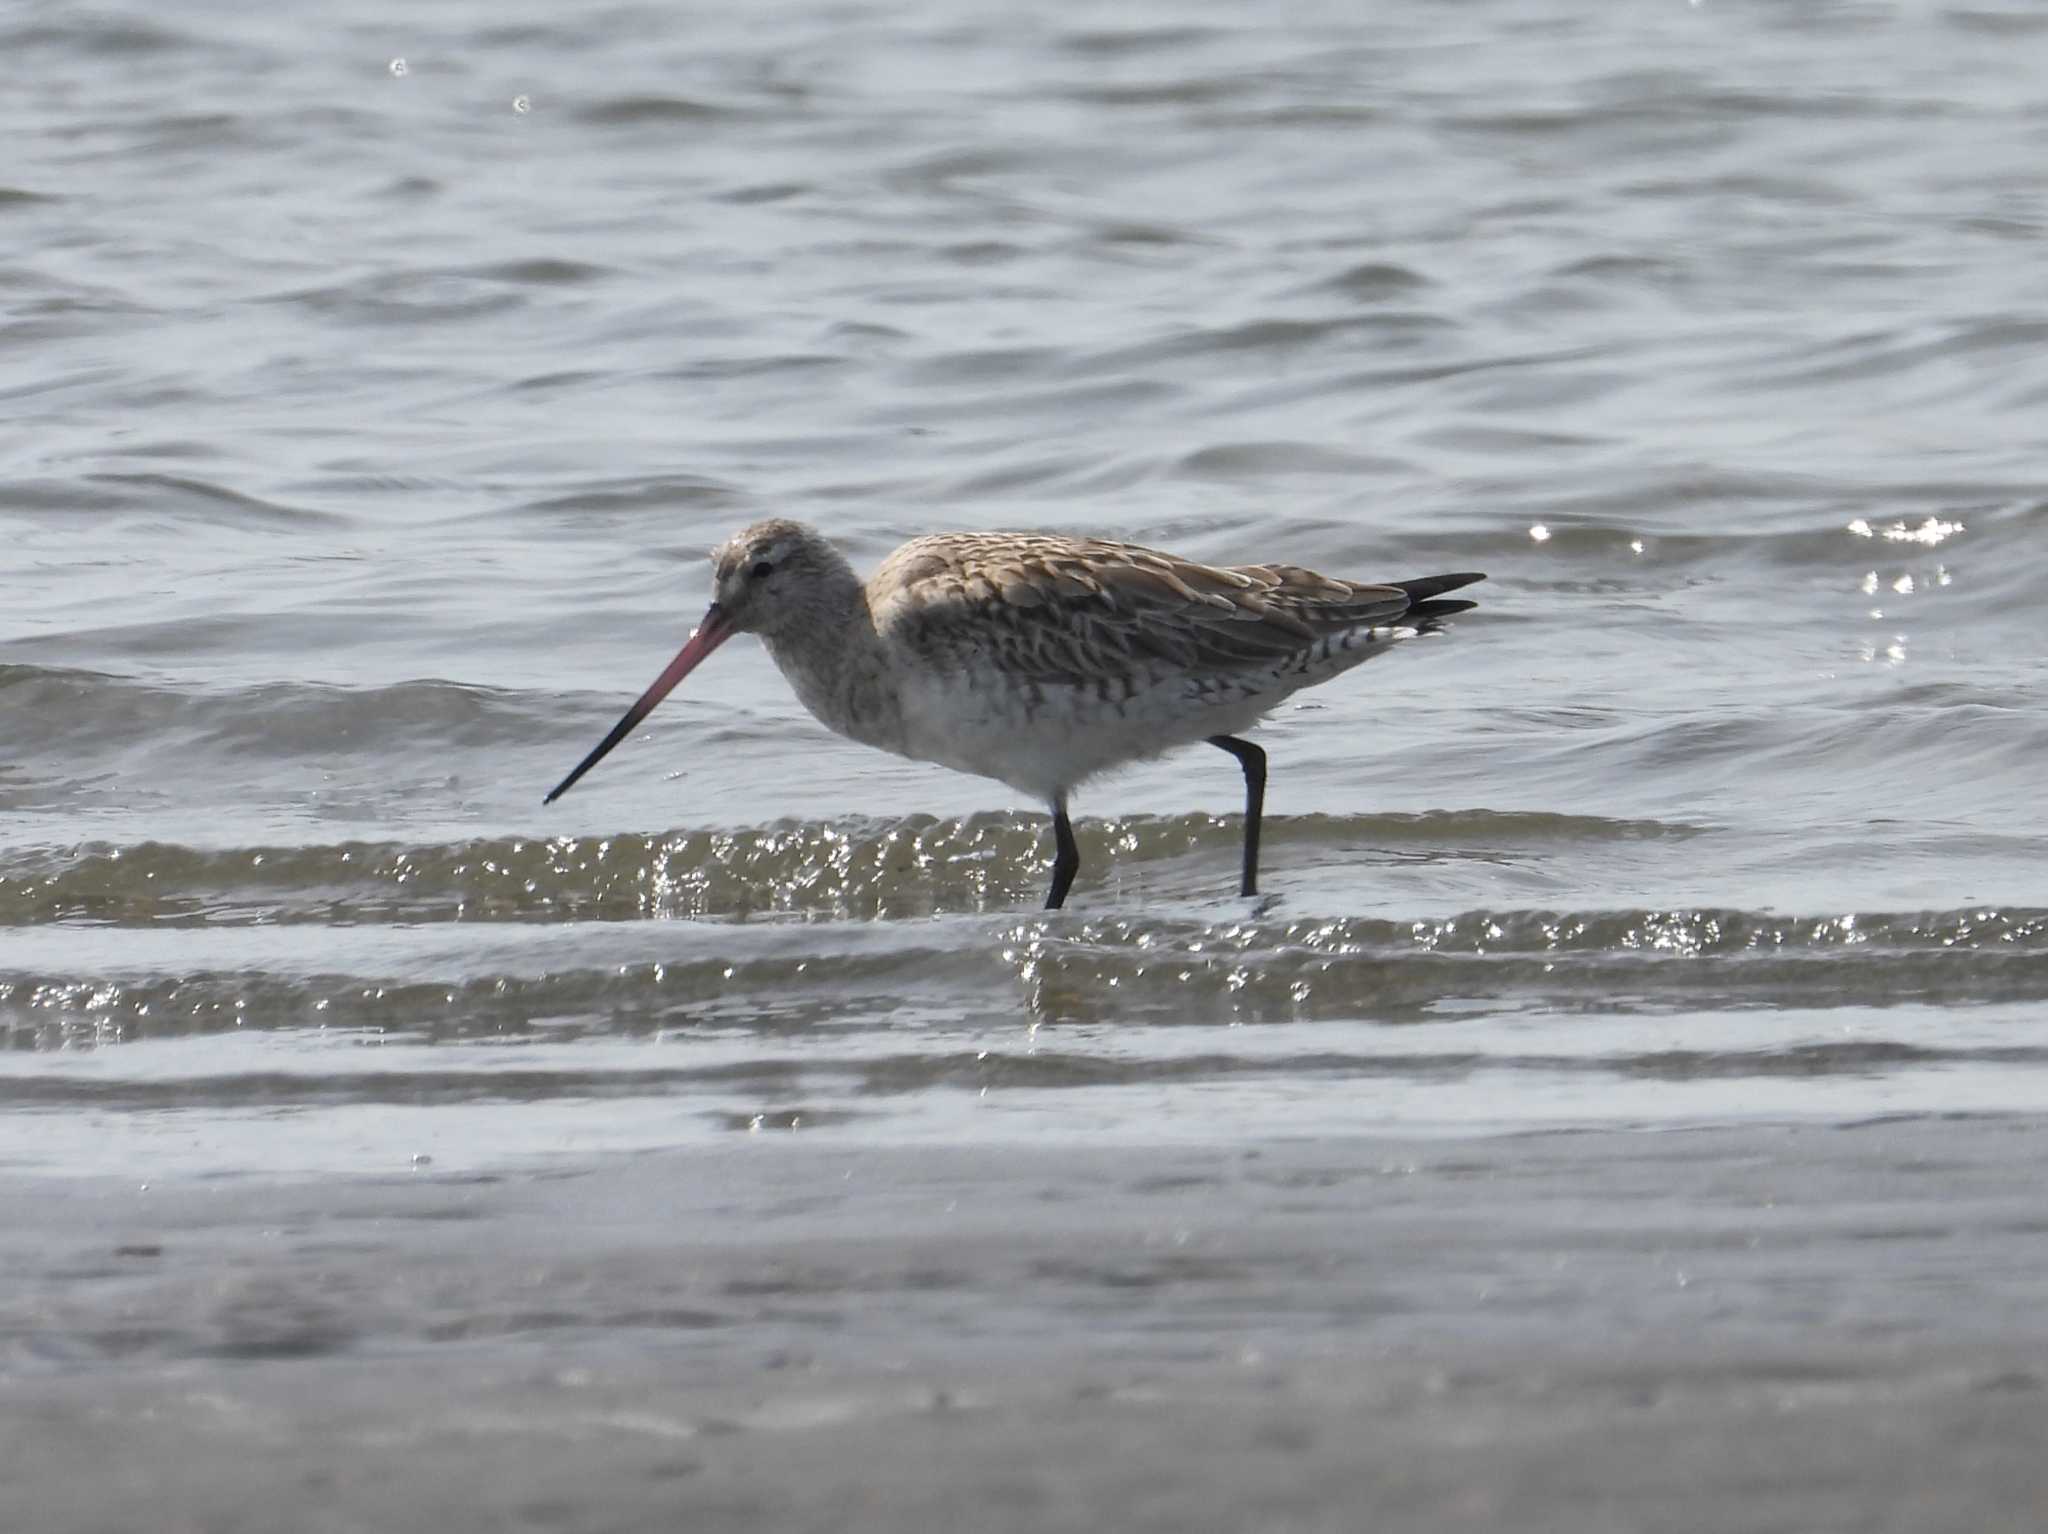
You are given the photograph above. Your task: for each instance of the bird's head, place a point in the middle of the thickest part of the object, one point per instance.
(765, 578)
(776, 578)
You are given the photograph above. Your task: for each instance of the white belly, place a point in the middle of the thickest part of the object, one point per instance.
(1042, 740)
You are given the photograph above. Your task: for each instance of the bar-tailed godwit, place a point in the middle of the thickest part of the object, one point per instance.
(1039, 660)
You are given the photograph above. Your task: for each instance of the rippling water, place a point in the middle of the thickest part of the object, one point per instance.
(374, 386)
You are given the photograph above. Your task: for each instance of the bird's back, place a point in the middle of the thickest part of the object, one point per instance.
(1041, 660)
(1080, 610)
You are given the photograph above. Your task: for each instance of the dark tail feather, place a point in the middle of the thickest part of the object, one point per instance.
(1426, 614)
(1435, 586)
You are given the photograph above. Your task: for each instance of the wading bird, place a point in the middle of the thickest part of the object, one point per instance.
(1041, 660)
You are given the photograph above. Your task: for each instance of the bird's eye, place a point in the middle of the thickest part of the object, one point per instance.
(762, 570)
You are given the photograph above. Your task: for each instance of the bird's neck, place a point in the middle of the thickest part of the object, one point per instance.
(832, 659)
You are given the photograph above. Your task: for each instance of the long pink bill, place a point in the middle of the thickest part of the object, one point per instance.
(714, 631)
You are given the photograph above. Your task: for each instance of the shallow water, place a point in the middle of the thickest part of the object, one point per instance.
(368, 426)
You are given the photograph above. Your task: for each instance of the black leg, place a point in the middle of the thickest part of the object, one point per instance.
(1253, 761)
(1066, 860)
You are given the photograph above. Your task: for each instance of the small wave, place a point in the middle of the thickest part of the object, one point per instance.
(100, 34)
(875, 981)
(404, 298)
(417, 1088)
(474, 1077)
(656, 494)
(1208, 91)
(1260, 461)
(643, 110)
(2016, 23)
(542, 271)
(864, 870)
(82, 713)
(1593, 961)
(1137, 41)
(166, 495)
(1047, 475)
(1872, 748)
(162, 493)
(555, 985)
(752, 193)
(1373, 281)
(981, 1071)
(1884, 354)
(1507, 441)
(1265, 337)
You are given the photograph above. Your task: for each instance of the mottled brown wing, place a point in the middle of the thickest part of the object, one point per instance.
(1083, 612)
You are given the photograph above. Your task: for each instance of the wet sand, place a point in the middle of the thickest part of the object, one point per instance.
(1797, 1327)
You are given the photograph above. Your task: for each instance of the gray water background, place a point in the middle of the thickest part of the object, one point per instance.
(375, 379)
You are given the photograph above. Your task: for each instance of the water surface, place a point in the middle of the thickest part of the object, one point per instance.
(375, 386)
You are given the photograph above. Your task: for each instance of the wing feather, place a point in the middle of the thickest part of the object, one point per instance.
(1090, 612)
